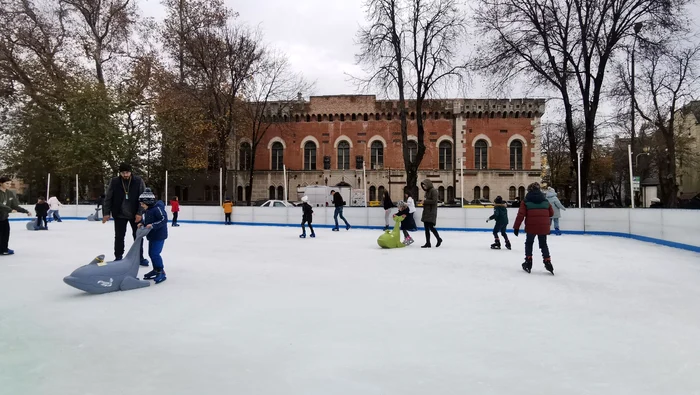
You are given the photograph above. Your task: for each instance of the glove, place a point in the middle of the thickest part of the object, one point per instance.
(515, 232)
(487, 221)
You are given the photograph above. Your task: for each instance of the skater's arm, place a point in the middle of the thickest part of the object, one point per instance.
(559, 205)
(522, 213)
(158, 219)
(17, 207)
(431, 198)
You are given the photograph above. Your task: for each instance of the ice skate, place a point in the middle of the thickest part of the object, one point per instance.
(496, 245)
(150, 275)
(508, 244)
(313, 235)
(548, 265)
(336, 230)
(347, 227)
(527, 265)
(160, 277)
(302, 236)
(144, 262)
(439, 243)
(557, 232)
(409, 240)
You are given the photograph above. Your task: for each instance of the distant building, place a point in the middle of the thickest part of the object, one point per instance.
(688, 127)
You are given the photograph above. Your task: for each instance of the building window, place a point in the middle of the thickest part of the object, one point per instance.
(445, 155)
(412, 150)
(521, 193)
(511, 193)
(280, 193)
(277, 156)
(487, 193)
(377, 158)
(271, 194)
(481, 155)
(477, 193)
(245, 155)
(372, 193)
(516, 155)
(310, 156)
(450, 194)
(441, 193)
(239, 193)
(380, 193)
(343, 155)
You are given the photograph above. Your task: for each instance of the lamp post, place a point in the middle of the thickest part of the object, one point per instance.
(637, 29)
(578, 175)
(629, 154)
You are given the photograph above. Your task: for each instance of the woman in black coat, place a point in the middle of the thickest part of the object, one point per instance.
(388, 205)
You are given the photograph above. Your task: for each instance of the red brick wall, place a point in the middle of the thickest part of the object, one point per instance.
(499, 152)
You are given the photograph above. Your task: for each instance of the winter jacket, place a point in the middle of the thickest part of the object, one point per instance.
(338, 200)
(411, 205)
(536, 211)
(307, 212)
(116, 204)
(41, 209)
(387, 203)
(158, 218)
(556, 204)
(430, 202)
(8, 202)
(228, 207)
(175, 206)
(54, 203)
(500, 214)
(408, 223)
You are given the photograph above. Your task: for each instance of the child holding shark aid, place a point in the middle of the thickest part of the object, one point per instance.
(156, 219)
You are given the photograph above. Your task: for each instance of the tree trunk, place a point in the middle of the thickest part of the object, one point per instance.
(249, 190)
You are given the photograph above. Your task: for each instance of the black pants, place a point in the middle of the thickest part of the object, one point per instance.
(228, 217)
(303, 229)
(175, 218)
(120, 233)
(4, 235)
(542, 241)
(39, 220)
(500, 229)
(430, 227)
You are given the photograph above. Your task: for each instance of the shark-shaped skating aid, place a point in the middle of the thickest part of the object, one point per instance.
(100, 277)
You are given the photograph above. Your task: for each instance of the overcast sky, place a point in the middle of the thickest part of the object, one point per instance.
(317, 36)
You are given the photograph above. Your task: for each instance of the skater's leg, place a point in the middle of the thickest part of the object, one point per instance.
(175, 218)
(119, 234)
(529, 241)
(38, 221)
(387, 216)
(495, 231)
(155, 247)
(311, 229)
(57, 216)
(542, 240)
(556, 223)
(427, 233)
(303, 228)
(343, 217)
(436, 234)
(4, 235)
(335, 215)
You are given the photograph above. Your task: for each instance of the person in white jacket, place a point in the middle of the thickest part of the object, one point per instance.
(556, 208)
(411, 205)
(54, 206)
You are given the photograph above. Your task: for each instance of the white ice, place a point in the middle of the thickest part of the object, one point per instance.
(256, 310)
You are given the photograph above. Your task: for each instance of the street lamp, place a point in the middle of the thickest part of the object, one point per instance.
(637, 29)
(578, 174)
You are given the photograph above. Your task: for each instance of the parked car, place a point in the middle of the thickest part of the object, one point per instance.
(277, 203)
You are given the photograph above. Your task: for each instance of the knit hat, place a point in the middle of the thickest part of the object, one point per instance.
(4, 179)
(147, 197)
(304, 199)
(533, 187)
(499, 200)
(124, 167)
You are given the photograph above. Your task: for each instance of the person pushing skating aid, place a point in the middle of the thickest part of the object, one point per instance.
(535, 210)
(500, 215)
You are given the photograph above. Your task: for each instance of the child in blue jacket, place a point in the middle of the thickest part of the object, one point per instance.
(156, 219)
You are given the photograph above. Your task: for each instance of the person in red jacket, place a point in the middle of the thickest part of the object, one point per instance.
(536, 211)
(175, 208)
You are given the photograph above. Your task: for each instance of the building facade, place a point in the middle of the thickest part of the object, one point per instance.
(688, 129)
(326, 140)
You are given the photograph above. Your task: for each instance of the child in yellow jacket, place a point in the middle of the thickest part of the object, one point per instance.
(228, 209)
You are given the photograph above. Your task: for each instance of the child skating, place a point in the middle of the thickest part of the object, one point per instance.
(500, 215)
(228, 209)
(306, 217)
(42, 209)
(535, 210)
(156, 219)
(408, 224)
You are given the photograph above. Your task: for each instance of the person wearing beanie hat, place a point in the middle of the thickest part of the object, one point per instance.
(156, 219)
(500, 214)
(306, 217)
(122, 204)
(536, 211)
(8, 204)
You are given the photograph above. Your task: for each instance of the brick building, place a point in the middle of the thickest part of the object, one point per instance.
(324, 141)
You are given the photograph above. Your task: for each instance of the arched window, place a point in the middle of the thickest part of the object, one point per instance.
(310, 156)
(511, 193)
(271, 194)
(516, 155)
(441, 193)
(280, 193)
(342, 117)
(487, 193)
(481, 155)
(365, 117)
(380, 193)
(277, 156)
(245, 156)
(319, 118)
(445, 155)
(377, 158)
(521, 193)
(372, 193)
(354, 117)
(308, 118)
(477, 193)
(239, 193)
(450, 194)
(330, 117)
(377, 117)
(296, 119)
(412, 150)
(343, 155)
(413, 116)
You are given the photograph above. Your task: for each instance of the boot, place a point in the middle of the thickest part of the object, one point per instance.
(386, 227)
(160, 277)
(527, 265)
(508, 244)
(150, 275)
(557, 231)
(439, 243)
(312, 235)
(426, 245)
(302, 236)
(548, 265)
(496, 245)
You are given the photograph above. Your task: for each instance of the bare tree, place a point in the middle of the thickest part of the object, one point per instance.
(270, 94)
(566, 45)
(668, 77)
(409, 48)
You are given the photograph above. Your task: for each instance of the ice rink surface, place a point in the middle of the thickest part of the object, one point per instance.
(256, 310)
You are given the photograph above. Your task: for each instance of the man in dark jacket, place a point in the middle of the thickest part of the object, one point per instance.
(338, 203)
(429, 216)
(8, 204)
(122, 204)
(500, 214)
(536, 211)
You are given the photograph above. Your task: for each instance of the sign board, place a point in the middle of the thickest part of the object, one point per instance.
(636, 182)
